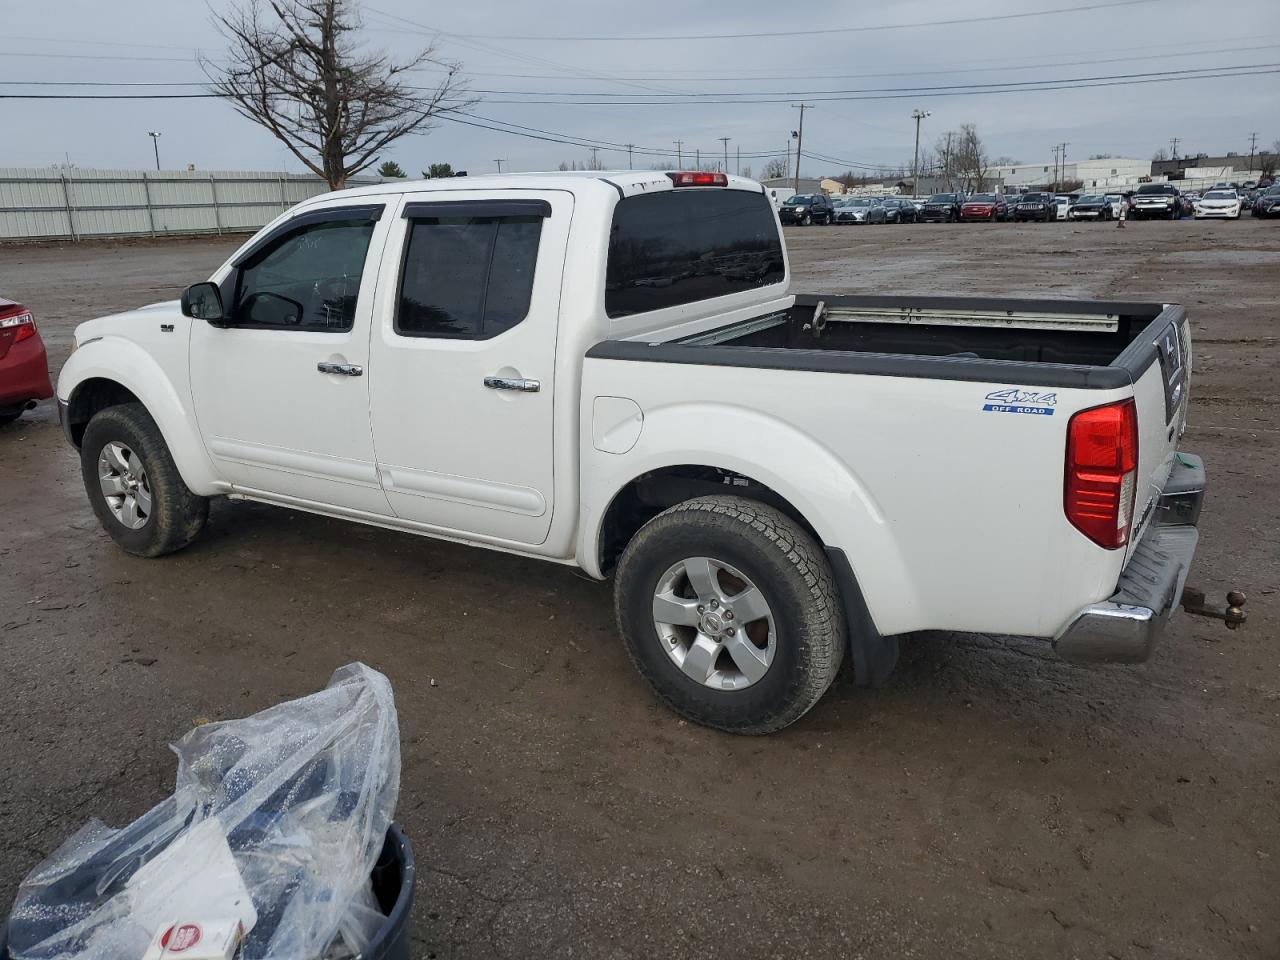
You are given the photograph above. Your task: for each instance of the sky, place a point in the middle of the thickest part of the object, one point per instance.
(654, 73)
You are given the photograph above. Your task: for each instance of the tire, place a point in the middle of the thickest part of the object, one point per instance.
(805, 630)
(10, 416)
(806, 220)
(169, 516)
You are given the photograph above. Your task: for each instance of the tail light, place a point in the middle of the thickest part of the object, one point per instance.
(1102, 472)
(696, 178)
(19, 320)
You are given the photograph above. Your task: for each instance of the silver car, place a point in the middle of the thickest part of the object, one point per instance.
(855, 210)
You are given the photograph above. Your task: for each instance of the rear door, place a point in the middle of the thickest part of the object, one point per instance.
(464, 348)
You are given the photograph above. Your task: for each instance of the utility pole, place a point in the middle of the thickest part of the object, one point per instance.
(1054, 184)
(595, 162)
(738, 168)
(1064, 161)
(498, 161)
(1173, 142)
(697, 158)
(786, 161)
(946, 162)
(1253, 146)
(725, 141)
(629, 148)
(155, 142)
(917, 116)
(679, 156)
(802, 107)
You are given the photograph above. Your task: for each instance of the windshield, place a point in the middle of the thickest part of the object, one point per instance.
(983, 198)
(1091, 200)
(1220, 195)
(1033, 198)
(944, 198)
(1272, 191)
(1156, 188)
(857, 202)
(796, 200)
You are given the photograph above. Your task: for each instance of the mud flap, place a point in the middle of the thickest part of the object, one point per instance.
(874, 656)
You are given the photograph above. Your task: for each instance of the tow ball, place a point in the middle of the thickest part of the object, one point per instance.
(1193, 601)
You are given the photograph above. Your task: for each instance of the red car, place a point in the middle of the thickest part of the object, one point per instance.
(984, 206)
(24, 369)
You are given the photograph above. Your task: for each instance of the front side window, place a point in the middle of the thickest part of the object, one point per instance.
(307, 280)
(679, 246)
(467, 277)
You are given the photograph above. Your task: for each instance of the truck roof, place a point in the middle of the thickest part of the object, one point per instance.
(625, 182)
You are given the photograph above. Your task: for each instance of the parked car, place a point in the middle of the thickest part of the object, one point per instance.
(1094, 206)
(24, 367)
(1034, 206)
(942, 207)
(1221, 204)
(805, 209)
(1118, 202)
(984, 206)
(1268, 203)
(662, 434)
(1062, 206)
(859, 210)
(1157, 200)
(898, 211)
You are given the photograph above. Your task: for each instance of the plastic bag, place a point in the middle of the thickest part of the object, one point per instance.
(303, 794)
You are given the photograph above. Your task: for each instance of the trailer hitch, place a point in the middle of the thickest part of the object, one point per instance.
(1193, 601)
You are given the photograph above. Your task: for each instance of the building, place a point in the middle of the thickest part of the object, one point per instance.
(807, 184)
(1109, 172)
(1229, 168)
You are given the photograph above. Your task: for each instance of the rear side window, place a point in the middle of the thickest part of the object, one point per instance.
(467, 277)
(680, 246)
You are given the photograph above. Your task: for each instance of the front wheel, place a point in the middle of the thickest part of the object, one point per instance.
(806, 220)
(134, 485)
(730, 611)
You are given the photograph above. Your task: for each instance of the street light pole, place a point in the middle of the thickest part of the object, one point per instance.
(917, 116)
(725, 141)
(155, 142)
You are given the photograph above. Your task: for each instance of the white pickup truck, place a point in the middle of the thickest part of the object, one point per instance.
(609, 370)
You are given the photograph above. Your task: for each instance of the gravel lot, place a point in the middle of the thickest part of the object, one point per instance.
(989, 802)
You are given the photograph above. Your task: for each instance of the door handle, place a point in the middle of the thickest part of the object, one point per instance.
(512, 383)
(341, 369)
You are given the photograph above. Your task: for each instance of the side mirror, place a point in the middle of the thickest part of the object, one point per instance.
(203, 301)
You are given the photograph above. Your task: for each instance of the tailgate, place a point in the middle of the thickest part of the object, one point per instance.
(1161, 394)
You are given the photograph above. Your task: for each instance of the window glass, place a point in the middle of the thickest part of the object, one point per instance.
(467, 276)
(679, 246)
(308, 280)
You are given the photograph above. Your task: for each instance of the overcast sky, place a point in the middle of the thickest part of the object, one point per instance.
(155, 41)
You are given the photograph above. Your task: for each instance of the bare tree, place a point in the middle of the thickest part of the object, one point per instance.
(746, 172)
(774, 169)
(296, 68)
(1160, 155)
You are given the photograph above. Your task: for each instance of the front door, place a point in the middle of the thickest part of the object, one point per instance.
(282, 390)
(464, 347)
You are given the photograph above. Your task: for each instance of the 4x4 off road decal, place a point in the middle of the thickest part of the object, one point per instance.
(1017, 400)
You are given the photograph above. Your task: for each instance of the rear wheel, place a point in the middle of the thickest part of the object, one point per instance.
(134, 485)
(8, 416)
(729, 610)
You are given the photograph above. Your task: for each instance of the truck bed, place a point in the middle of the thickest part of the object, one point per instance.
(1059, 343)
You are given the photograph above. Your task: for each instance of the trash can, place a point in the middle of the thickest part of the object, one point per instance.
(393, 878)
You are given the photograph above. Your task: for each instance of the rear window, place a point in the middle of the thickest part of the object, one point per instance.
(679, 246)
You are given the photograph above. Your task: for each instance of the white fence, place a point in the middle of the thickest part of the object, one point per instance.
(51, 204)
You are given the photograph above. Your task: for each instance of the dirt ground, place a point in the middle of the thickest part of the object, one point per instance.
(991, 801)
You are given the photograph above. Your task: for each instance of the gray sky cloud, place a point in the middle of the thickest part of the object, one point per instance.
(148, 41)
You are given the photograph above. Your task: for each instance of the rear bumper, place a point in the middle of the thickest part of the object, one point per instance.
(1126, 627)
(24, 374)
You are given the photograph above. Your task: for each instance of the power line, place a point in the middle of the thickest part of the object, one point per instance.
(808, 33)
(888, 93)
